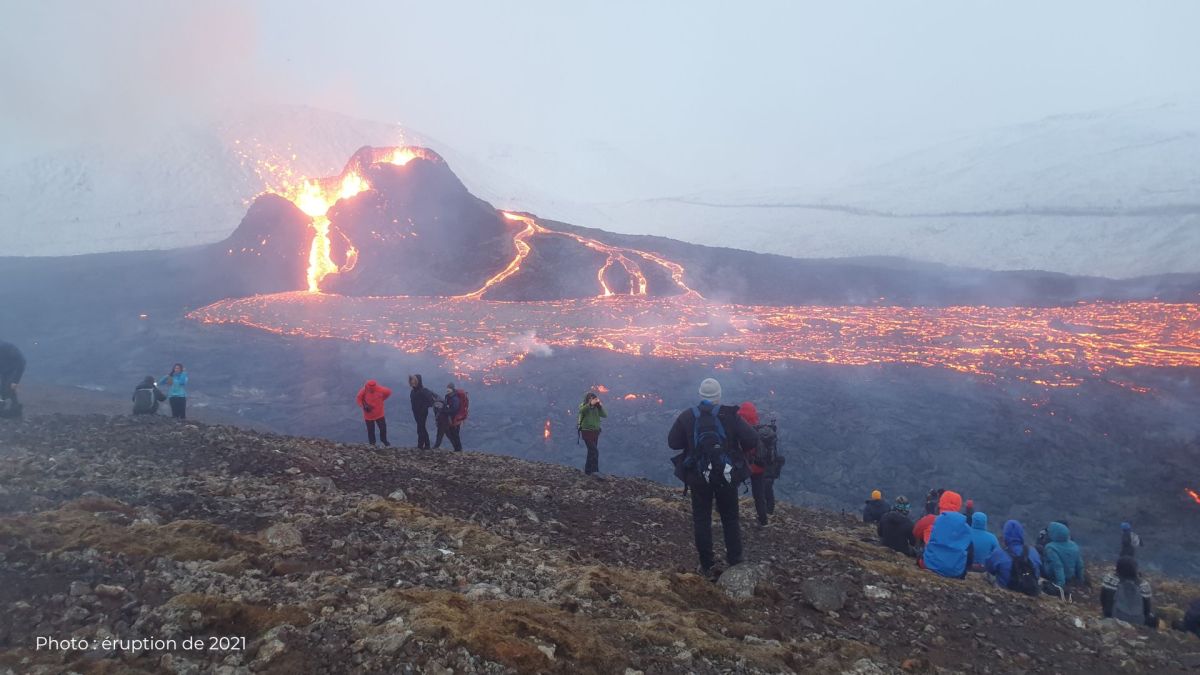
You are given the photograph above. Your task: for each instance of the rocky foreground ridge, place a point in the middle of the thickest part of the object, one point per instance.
(312, 556)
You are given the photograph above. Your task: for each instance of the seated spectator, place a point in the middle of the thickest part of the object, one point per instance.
(875, 507)
(1126, 596)
(949, 549)
(1015, 565)
(896, 529)
(1063, 561)
(985, 542)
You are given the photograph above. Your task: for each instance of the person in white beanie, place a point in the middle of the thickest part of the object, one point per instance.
(713, 442)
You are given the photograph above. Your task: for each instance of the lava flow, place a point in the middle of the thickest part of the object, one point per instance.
(1193, 494)
(1051, 346)
(615, 255)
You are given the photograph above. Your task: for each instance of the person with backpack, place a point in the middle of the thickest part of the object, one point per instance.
(713, 442)
(875, 507)
(985, 542)
(1063, 561)
(422, 400)
(591, 411)
(761, 487)
(949, 551)
(12, 368)
(371, 398)
(1125, 596)
(895, 529)
(456, 410)
(1130, 541)
(147, 396)
(1015, 565)
(177, 393)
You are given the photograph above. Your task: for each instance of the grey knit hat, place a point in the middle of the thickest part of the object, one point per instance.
(710, 390)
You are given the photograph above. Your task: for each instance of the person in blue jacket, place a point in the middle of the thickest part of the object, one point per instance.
(1063, 561)
(1000, 563)
(985, 542)
(949, 550)
(177, 392)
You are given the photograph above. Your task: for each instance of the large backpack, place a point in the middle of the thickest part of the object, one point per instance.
(463, 404)
(144, 400)
(1023, 578)
(714, 457)
(768, 456)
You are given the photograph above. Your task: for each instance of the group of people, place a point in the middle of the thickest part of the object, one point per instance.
(721, 447)
(149, 394)
(450, 412)
(952, 539)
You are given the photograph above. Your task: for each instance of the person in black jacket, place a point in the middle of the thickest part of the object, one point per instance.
(896, 529)
(713, 482)
(147, 396)
(12, 367)
(422, 400)
(875, 507)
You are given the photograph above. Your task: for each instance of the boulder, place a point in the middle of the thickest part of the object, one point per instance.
(284, 535)
(740, 580)
(823, 596)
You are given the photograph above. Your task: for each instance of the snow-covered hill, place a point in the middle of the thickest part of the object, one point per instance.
(1113, 193)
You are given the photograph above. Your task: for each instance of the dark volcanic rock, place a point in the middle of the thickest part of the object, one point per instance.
(488, 565)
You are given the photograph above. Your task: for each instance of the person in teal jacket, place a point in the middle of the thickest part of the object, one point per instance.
(591, 411)
(177, 392)
(985, 542)
(1063, 563)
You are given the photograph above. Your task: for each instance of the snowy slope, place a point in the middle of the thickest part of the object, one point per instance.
(1113, 193)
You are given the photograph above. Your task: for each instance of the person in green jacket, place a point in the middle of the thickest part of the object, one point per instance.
(1062, 561)
(591, 411)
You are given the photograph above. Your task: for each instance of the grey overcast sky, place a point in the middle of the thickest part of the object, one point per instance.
(699, 90)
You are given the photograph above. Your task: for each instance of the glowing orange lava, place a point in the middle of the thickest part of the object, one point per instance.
(1044, 346)
(1193, 494)
(315, 196)
(546, 430)
(615, 255)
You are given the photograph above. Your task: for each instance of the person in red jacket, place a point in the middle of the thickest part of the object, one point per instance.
(370, 398)
(761, 487)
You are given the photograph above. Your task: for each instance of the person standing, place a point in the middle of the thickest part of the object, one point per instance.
(713, 443)
(456, 410)
(177, 391)
(591, 411)
(761, 487)
(422, 400)
(147, 396)
(371, 399)
(12, 367)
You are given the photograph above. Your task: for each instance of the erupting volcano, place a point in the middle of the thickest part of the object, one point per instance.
(400, 253)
